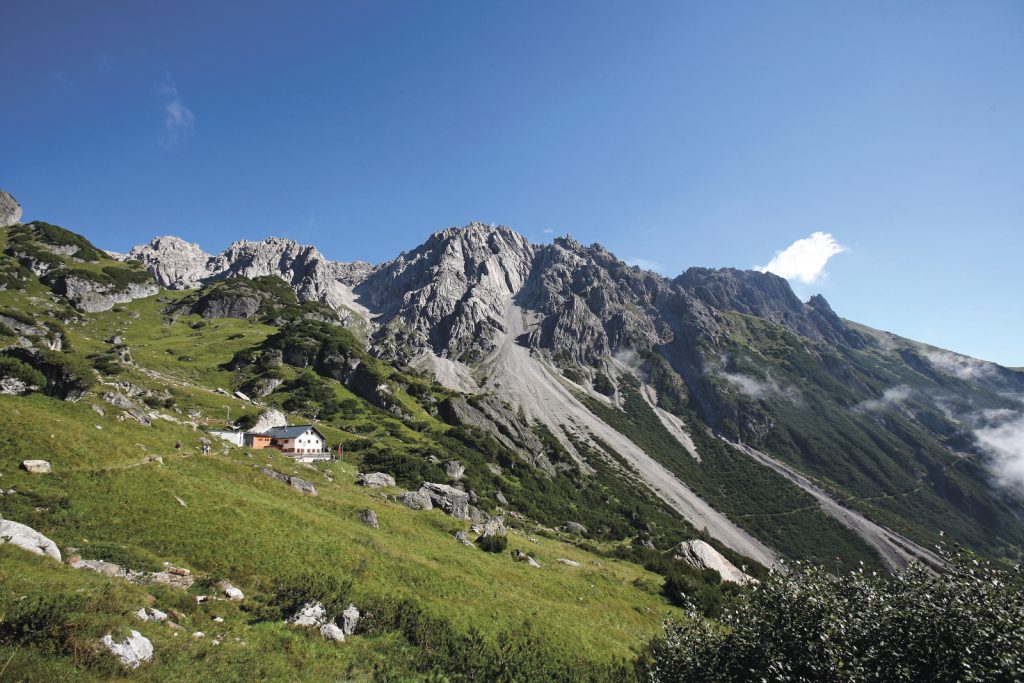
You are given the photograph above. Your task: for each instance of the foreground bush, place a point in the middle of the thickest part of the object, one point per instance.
(966, 624)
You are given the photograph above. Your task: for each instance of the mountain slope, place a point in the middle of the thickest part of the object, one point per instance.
(551, 329)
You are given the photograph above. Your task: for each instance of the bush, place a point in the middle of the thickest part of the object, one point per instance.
(493, 544)
(961, 625)
(603, 385)
(330, 589)
(14, 368)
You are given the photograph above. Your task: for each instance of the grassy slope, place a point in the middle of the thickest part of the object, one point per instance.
(243, 526)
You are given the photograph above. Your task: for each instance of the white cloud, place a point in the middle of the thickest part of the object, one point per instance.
(1003, 441)
(646, 264)
(179, 121)
(890, 398)
(761, 389)
(964, 367)
(805, 259)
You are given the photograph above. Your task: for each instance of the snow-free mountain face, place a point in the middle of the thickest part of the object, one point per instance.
(719, 389)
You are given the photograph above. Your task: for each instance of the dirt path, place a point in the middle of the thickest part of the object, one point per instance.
(524, 381)
(895, 549)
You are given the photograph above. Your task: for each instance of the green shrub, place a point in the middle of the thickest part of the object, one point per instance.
(493, 544)
(291, 592)
(808, 625)
(16, 369)
(603, 385)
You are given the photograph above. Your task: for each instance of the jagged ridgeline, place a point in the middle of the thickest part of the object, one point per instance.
(630, 439)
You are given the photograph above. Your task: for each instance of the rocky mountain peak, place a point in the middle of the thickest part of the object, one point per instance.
(173, 262)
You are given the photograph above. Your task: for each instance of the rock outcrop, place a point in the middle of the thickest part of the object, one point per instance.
(94, 296)
(701, 555)
(375, 480)
(10, 210)
(448, 498)
(27, 538)
(269, 418)
(295, 482)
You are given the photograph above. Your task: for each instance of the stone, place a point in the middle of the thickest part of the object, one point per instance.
(98, 410)
(10, 210)
(331, 631)
(133, 651)
(416, 500)
(520, 556)
(36, 466)
(350, 619)
(375, 480)
(230, 591)
(151, 614)
(369, 518)
(567, 561)
(532, 562)
(574, 528)
(448, 498)
(100, 567)
(702, 555)
(172, 579)
(27, 538)
(454, 469)
(310, 614)
(462, 537)
(500, 497)
(198, 634)
(302, 485)
(295, 482)
(493, 526)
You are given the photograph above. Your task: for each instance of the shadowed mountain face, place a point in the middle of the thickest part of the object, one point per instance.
(917, 439)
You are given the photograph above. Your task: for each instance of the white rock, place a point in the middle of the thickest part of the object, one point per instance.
(701, 555)
(232, 592)
(28, 538)
(375, 480)
(36, 466)
(198, 634)
(151, 614)
(10, 210)
(532, 562)
(350, 619)
(567, 561)
(332, 632)
(133, 651)
(310, 614)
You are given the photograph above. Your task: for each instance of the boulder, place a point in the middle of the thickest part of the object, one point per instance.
(350, 619)
(454, 469)
(10, 210)
(132, 652)
(492, 526)
(310, 614)
(330, 631)
(702, 555)
(27, 538)
(369, 518)
(230, 591)
(295, 482)
(271, 417)
(567, 561)
(169, 578)
(302, 485)
(575, 528)
(500, 497)
(100, 567)
(448, 498)
(520, 556)
(463, 538)
(36, 466)
(375, 480)
(417, 500)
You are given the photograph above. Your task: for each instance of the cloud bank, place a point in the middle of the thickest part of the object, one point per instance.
(805, 259)
(179, 121)
(890, 398)
(1002, 440)
(964, 367)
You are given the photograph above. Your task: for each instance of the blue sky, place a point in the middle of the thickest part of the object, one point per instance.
(676, 134)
